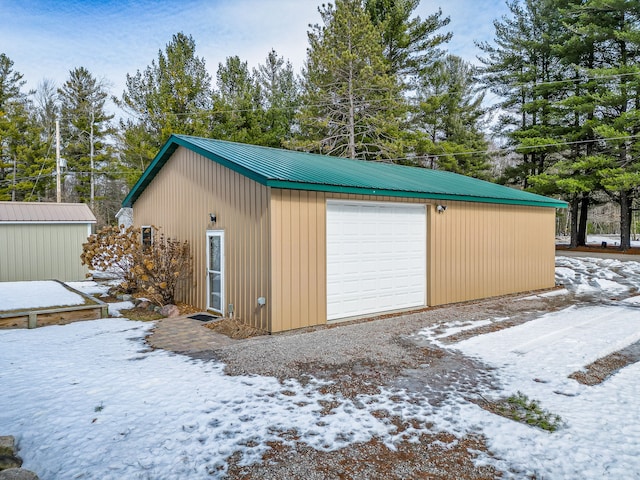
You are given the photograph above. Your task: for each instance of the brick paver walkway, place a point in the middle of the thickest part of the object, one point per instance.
(185, 335)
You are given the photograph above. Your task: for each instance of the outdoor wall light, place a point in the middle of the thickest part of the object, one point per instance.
(212, 217)
(441, 208)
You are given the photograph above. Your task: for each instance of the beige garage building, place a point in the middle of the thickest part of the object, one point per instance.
(42, 241)
(284, 239)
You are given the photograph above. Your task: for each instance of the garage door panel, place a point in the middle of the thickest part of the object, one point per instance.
(376, 258)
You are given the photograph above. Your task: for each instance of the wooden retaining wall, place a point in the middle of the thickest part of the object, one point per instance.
(56, 316)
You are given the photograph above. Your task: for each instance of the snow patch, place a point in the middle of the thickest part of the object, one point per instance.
(435, 333)
(601, 438)
(552, 293)
(114, 308)
(90, 287)
(613, 287)
(36, 294)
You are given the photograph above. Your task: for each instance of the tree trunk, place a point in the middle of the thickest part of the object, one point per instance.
(574, 222)
(351, 120)
(584, 215)
(625, 220)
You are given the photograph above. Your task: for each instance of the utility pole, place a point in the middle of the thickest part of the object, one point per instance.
(91, 160)
(58, 183)
(15, 171)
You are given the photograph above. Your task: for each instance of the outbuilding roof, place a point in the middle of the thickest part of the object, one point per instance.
(295, 170)
(41, 212)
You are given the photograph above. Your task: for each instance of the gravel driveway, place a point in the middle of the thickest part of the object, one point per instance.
(383, 347)
(361, 358)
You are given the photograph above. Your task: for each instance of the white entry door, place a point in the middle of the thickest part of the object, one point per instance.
(376, 257)
(215, 271)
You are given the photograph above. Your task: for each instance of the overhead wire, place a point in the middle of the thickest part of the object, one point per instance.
(573, 80)
(213, 111)
(494, 151)
(528, 147)
(410, 100)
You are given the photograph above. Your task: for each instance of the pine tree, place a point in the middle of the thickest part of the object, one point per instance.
(34, 161)
(601, 49)
(575, 49)
(172, 95)
(615, 27)
(85, 131)
(411, 45)
(569, 72)
(280, 99)
(237, 103)
(449, 116)
(534, 67)
(351, 103)
(11, 102)
(522, 69)
(23, 163)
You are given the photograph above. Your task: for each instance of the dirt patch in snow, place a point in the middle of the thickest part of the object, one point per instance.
(440, 456)
(598, 371)
(472, 332)
(140, 314)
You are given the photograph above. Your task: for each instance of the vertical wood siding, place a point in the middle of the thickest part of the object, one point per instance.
(474, 250)
(478, 250)
(298, 275)
(180, 198)
(42, 252)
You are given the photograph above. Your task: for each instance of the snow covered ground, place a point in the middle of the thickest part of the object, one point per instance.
(37, 294)
(46, 293)
(102, 406)
(612, 240)
(96, 403)
(98, 290)
(600, 279)
(601, 433)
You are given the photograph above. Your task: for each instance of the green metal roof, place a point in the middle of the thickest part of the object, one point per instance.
(294, 170)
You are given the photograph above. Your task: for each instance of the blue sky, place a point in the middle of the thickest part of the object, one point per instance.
(47, 39)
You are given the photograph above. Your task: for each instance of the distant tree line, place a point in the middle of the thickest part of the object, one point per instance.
(377, 85)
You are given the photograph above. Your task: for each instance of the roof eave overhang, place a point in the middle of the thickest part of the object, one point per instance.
(409, 194)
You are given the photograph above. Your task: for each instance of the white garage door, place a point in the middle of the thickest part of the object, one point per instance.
(376, 257)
